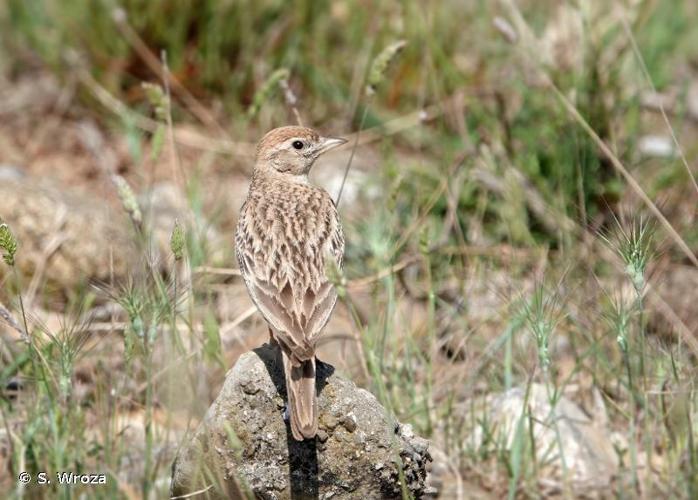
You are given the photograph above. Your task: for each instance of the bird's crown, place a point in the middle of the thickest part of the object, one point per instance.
(278, 136)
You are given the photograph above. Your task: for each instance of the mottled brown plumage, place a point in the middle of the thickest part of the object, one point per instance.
(287, 231)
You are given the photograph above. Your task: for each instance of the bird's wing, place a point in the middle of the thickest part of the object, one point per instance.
(285, 274)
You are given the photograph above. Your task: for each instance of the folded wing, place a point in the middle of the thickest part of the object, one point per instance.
(285, 270)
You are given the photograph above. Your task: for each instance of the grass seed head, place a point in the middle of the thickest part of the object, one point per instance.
(8, 243)
(158, 100)
(542, 316)
(618, 318)
(177, 241)
(380, 65)
(128, 199)
(634, 247)
(267, 90)
(636, 252)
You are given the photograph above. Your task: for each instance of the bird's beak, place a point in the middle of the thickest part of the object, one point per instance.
(327, 143)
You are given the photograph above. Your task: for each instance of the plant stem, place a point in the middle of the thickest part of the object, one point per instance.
(558, 437)
(432, 343)
(639, 304)
(633, 416)
(27, 337)
(353, 151)
(147, 475)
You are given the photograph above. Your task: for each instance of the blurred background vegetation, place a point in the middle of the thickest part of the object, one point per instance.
(223, 52)
(473, 185)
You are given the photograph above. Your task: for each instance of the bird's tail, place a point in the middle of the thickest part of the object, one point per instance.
(302, 398)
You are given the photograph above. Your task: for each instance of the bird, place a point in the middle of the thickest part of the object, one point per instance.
(288, 235)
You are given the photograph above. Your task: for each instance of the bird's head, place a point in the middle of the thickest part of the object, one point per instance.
(291, 151)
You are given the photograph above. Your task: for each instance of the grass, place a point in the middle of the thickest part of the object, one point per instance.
(517, 236)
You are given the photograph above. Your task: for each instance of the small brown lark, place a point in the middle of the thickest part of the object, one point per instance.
(287, 230)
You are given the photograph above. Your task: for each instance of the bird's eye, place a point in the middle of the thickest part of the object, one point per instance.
(297, 144)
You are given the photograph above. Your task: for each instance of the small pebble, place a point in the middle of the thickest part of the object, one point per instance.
(349, 422)
(249, 387)
(322, 435)
(330, 421)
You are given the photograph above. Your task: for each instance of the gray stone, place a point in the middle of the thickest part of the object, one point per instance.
(10, 172)
(243, 447)
(589, 458)
(74, 237)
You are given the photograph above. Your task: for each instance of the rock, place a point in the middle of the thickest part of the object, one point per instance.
(589, 457)
(73, 237)
(69, 233)
(10, 172)
(656, 146)
(243, 445)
